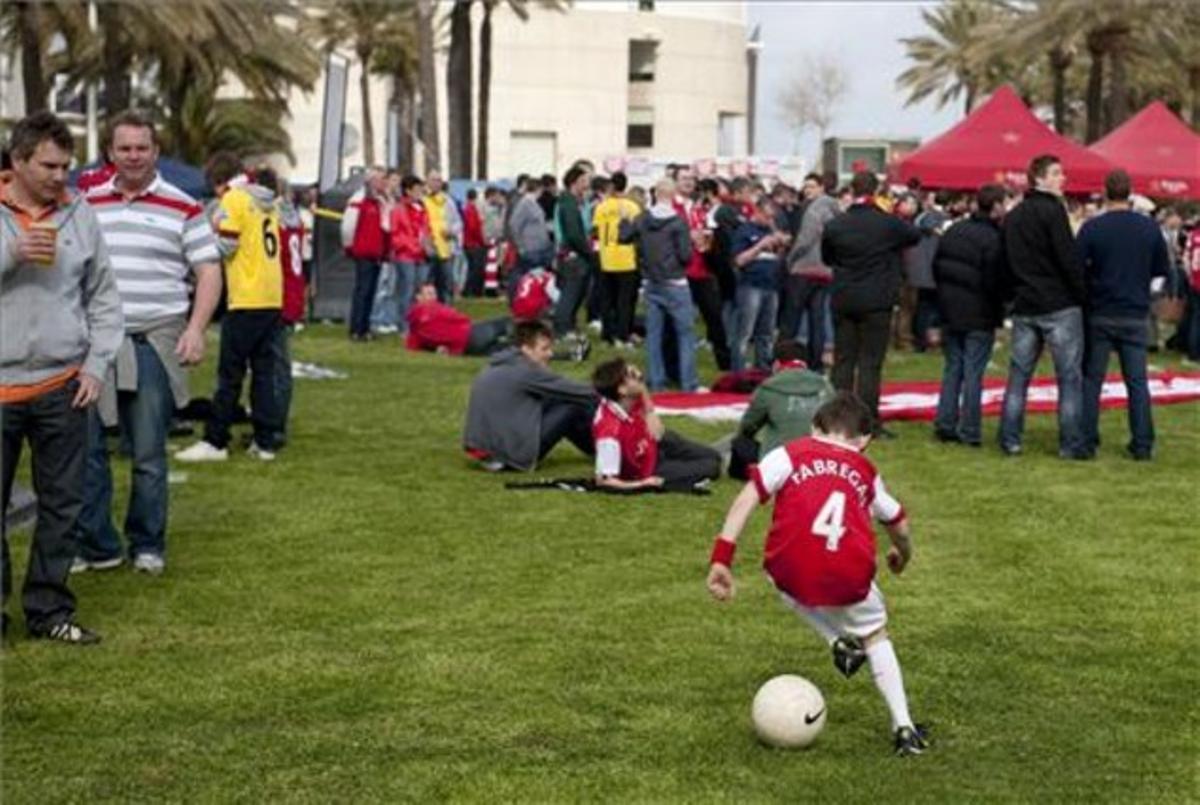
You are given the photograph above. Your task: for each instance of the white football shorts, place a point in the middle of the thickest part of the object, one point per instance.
(860, 619)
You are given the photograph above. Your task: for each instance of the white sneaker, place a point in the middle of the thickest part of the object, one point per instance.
(81, 565)
(254, 451)
(202, 451)
(150, 563)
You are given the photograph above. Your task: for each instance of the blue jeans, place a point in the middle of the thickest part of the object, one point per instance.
(145, 417)
(1128, 338)
(756, 312)
(665, 301)
(1062, 332)
(384, 311)
(409, 278)
(967, 353)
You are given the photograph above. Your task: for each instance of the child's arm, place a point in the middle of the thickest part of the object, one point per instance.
(654, 422)
(613, 482)
(720, 576)
(900, 553)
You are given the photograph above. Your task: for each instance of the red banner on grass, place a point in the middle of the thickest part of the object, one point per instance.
(918, 400)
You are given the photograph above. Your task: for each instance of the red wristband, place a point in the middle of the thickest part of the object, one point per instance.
(722, 552)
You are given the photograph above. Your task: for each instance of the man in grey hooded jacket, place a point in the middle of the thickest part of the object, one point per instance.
(60, 327)
(519, 410)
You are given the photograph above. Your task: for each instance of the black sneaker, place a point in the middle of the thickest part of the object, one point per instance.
(68, 632)
(946, 436)
(848, 655)
(911, 740)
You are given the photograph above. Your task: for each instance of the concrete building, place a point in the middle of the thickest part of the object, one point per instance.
(610, 80)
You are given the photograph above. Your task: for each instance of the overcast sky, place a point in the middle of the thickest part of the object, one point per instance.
(864, 37)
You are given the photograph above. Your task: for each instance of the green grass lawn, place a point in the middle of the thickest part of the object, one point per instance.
(369, 619)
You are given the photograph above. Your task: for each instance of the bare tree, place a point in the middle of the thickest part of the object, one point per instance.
(810, 100)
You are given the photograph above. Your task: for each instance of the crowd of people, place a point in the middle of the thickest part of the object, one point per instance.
(105, 299)
(106, 296)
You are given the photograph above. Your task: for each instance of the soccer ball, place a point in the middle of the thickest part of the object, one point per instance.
(788, 712)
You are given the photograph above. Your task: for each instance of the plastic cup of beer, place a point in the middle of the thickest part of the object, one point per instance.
(51, 228)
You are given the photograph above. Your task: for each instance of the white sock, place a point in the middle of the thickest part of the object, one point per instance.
(885, 669)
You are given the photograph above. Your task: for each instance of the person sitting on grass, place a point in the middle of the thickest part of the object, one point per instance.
(633, 449)
(434, 327)
(519, 410)
(782, 408)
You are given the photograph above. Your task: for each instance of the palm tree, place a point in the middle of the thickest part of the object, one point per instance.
(396, 57)
(521, 9)
(23, 27)
(243, 126)
(359, 24)
(948, 62)
(1180, 43)
(427, 81)
(458, 88)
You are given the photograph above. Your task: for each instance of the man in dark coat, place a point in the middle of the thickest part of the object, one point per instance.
(1048, 291)
(863, 248)
(968, 267)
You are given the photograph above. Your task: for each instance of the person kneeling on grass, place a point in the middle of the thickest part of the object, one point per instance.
(633, 449)
(434, 327)
(782, 408)
(519, 410)
(820, 550)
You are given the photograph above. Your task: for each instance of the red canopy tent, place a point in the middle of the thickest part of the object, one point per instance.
(1160, 152)
(995, 143)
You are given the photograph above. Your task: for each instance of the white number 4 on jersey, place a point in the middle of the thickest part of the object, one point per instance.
(829, 521)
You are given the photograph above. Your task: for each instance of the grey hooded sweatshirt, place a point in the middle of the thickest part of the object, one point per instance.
(56, 317)
(504, 414)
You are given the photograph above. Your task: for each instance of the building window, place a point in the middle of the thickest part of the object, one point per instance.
(645, 5)
(639, 130)
(643, 57)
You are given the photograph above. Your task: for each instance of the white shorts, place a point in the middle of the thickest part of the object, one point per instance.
(860, 619)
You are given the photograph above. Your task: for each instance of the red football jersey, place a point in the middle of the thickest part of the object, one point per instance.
(821, 546)
(536, 292)
(624, 447)
(432, 325)
(291, 259)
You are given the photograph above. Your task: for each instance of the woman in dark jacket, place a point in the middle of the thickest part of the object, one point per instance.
(968, 269)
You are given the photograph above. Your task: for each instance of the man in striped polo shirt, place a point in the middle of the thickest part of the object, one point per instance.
(157, 236)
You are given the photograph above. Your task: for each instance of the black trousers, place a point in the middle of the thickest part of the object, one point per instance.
(254, 340)
(574, 278)
(683, 462)
(802, 295)
(706, 295)
(488, 336)
(619, 299)
(567, 420)
(366, 281)
(860, 345)
(57, 435)
(744, 452)
(476, 265)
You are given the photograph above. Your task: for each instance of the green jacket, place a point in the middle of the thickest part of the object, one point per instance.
(783, 407)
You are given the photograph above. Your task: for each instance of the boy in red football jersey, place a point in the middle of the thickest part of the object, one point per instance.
(633, 449)
(820, 550)
(434, 327)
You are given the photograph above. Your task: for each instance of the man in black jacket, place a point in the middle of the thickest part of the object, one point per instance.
(863, 248)
(1047, 279)
(968, 267)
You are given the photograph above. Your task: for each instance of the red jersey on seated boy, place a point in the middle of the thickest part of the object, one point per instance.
(535, 295)
(633, 449)
(433, 326)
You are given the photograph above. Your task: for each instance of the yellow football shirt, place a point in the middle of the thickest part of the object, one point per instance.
(614, 256)
(253, 273)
